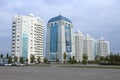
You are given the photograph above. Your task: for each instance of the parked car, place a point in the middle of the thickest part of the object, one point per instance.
(14, 64)
(8, 64)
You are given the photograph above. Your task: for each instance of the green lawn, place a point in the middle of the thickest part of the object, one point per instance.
(106, 67)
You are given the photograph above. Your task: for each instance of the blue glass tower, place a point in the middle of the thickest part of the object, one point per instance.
(59, 38)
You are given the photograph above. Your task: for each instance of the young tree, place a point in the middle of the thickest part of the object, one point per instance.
(72, 60)
(32, 58)
(15, 58)
(107, 59)
(111, 58)
(38, 59)
(21, 60)
(9, 59)
(85, 57)
(1, 56)
(64, 56)
(57, 60)
(45, 60)
(102, 59)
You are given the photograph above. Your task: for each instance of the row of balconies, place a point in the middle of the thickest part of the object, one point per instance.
(38, 48)
(38, 30)
(37, 39)
(39, 36)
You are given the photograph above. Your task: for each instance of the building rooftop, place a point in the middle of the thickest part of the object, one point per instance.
(59, 17)
(78, 32)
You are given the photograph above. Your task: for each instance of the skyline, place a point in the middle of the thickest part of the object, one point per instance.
(99, 18)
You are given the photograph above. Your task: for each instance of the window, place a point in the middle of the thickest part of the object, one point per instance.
(13, 47)
(13, 40)
(55, 23)
(17, 50)
(18, 21)
(13, 37)
(13, 30)
(13, 33)
(14, 26)
(13, 50)
(68, 24)
(51, 24)
(13, 43)
(14, 22)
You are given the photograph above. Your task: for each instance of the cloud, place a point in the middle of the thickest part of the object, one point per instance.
(2, 3)
(95, 17)
(57, 2)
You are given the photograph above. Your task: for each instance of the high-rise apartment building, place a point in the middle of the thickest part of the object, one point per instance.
(27, 36)
(78, 45)
(59, 38)
(103, 47)
(89, 47)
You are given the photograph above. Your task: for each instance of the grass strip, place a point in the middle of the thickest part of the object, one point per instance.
(106, 67)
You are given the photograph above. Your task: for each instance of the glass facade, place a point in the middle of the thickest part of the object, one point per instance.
(53, 41)
(24, 46)
(53, 56)
(24, 41)
(68, 56)
(53, 38)
(68, 38)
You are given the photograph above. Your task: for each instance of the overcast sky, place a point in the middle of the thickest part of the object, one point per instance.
(99, 18)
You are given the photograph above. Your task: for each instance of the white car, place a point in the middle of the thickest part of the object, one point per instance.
(8, 64)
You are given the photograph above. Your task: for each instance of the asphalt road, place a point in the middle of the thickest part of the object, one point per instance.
(57, 73)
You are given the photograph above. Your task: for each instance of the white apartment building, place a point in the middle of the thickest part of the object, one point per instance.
(78, 45)
(89, 47)
(103, 47)
(27, 36)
